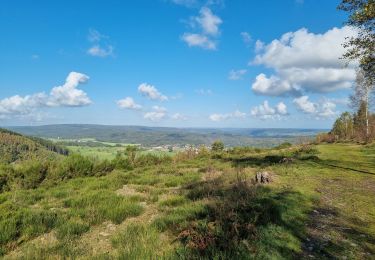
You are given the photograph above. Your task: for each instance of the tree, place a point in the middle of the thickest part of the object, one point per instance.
(217, 146)
(361, 47)
(361, 122)
(343, 126)
(360, 100)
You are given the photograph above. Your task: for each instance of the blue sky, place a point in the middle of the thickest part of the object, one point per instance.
(184, 63)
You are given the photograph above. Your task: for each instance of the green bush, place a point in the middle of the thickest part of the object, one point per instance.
(150, 159)
(31, 173)
(217, 146)
(76, 166)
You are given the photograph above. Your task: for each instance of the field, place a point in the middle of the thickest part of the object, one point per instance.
(319, 205)
(107, 153)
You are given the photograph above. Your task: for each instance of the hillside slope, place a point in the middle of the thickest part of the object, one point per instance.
(319, 206)
(15, 147)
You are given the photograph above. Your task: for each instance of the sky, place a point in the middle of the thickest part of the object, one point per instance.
(179, 63)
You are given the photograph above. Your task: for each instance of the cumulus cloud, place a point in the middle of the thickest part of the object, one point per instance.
(208, 21)
(305, 105)
(128, 103)
(101, 46)
(17, 105)
(273, 86)
(304, 61)
(157, 114)
(265, 111)
(236, 74)
(151, 92)
(208, 24)
(221, 117)
(66, 95)
(323, 109)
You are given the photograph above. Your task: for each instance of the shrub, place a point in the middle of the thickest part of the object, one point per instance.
(76, 166)
(149, 159)
(217, 146)
(121, 162)
(31, 173)
(103, 167)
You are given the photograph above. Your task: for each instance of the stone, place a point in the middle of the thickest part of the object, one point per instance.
(263, 177)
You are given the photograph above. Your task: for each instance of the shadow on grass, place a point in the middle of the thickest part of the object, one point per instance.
(244, 221)
(251, 161)
(341, 165)
(329, 240)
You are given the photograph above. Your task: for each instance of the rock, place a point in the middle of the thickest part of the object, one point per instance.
(287, 160)
(263, 177)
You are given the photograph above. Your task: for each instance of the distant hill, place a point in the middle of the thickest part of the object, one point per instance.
(153, 136)
(16, 147)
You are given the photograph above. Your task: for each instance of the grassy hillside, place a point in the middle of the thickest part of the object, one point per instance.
(320, 204)
(15, 147)
(155, 136)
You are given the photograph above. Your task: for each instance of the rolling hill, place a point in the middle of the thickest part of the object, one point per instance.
(154, 136)
(15, 147)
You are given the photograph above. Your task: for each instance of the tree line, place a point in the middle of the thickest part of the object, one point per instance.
(359, 125)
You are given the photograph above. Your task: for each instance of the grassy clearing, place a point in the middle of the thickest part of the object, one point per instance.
(320, 205)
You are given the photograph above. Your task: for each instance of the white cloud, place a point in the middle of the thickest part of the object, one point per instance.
(157, 114)
(322, 109)
(208, 21)
(151, 92)
(265, 111)
(273, 86)
(100, 48)
(221, 117)
(208, 25)
(68, 94)
(198, 40)
(102, 52)
(128, 103)
(259, 46)
(305, 105)
(304, 61)
(236, 74)
(281, 109)
(246, 37)
(17, 105)
(178, 116)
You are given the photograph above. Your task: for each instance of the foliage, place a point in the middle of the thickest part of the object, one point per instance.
(362, 46)
(217, 146)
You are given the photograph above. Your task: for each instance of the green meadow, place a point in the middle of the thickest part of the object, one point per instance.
(206, 206)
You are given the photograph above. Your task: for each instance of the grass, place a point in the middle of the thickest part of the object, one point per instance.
(108, 153)
(319, 205)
